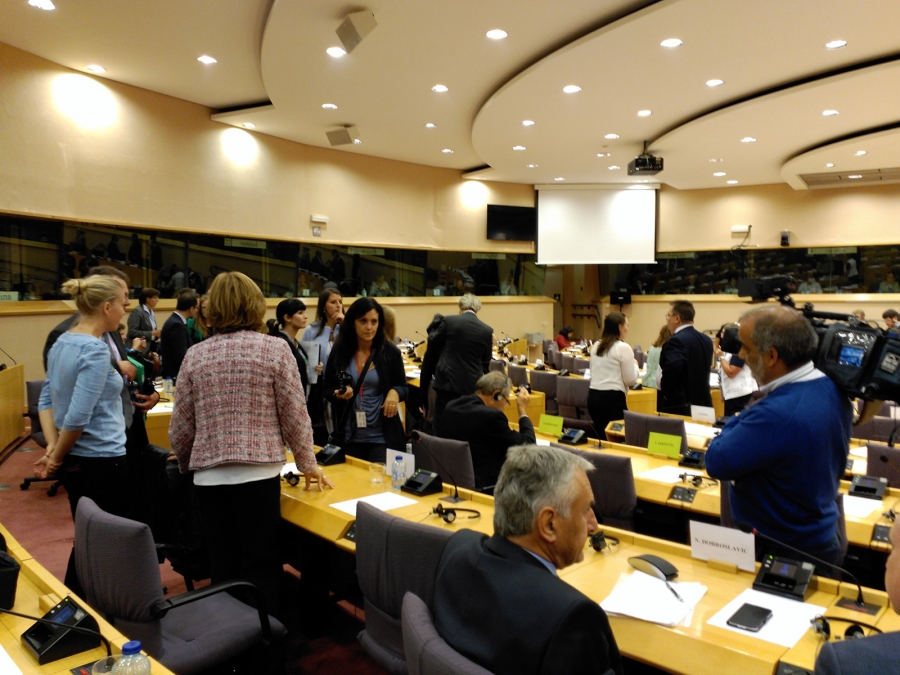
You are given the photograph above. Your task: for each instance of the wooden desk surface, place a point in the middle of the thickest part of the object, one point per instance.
(36, 592)
(12, 404)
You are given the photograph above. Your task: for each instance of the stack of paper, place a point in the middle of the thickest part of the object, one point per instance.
(647, 598)
(663, 474)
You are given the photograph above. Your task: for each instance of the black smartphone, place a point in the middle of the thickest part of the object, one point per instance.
(750, 617)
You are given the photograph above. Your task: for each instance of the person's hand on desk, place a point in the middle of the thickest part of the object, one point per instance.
(144, 403)
(319, 475)
(391, 401)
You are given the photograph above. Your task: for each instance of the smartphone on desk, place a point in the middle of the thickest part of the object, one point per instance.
(750, 617)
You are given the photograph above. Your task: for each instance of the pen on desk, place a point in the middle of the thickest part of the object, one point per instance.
(674, 592)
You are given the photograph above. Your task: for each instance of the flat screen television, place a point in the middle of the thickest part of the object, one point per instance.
(518, 223)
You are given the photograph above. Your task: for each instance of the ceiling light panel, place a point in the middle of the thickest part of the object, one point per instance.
(715, 83)
(208, 60)
(496, 34)
(439, 88)
(644, 113)
(336, 52)
(671, 43)
(835, 44)
(571, 89)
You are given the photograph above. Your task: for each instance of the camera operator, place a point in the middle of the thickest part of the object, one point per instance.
(786, 453)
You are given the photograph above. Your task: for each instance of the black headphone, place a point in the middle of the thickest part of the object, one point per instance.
(822, 626)
(292, 479)
(449, 515)
(497, 396)
(600, 541)
(696, 479)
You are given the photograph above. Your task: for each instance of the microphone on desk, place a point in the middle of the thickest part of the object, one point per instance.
(56, 626)
(749, 529)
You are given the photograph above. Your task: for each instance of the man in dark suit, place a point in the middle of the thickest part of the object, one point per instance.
(479, 420)
(684, 363)
(498, 600)
(175, 338)
(459, 352)
(876, 654)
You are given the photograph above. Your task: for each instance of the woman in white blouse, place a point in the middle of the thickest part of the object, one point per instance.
(613, 370)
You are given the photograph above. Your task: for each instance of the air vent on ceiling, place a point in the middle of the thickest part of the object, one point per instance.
(843, 178)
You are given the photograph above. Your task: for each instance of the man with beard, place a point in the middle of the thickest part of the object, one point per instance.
(786, 453)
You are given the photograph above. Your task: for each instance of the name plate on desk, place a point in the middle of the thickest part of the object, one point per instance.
(711, 542)
(551, 425)
(702, 413)
(664, 444)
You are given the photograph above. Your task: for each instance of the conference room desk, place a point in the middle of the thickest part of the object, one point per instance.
(37, 592)
(615, 432)
(12, 404)
(696, 648)
(157, 423)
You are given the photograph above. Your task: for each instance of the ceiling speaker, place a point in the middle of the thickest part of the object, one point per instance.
(343, 136)
(354, 28)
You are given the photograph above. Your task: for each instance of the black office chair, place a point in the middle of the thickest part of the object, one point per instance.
(890, 469)
(452, 459)
(518, 375)
(612, 482)
(544, 381)
(33, 391)
(572, 396)
(639, 426)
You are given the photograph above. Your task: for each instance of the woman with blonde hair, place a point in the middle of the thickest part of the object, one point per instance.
(81, 404)
(239, 401)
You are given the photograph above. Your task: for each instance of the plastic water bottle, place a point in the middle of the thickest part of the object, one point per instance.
(168, 387)
(398, 473)
(132, 661)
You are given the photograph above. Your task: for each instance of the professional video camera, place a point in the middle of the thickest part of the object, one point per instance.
(863, 361)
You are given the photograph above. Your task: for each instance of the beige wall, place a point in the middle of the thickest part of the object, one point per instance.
(25, 325)
(161, 163)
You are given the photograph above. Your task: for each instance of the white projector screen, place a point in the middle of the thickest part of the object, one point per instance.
(596, 224)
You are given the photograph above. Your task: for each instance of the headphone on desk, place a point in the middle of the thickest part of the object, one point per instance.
(822, 626)
(449, 515)
(600, 541)
(291, 478)
(697, 480)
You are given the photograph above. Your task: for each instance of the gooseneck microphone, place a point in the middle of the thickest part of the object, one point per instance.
(749, 529)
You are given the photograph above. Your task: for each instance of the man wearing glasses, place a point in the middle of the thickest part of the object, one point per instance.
(684, 363)
(479, 420)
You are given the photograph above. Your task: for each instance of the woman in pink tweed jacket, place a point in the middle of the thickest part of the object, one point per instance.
(239, 401)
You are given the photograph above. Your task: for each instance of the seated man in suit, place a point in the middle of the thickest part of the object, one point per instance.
(175, 337)
(498, 600)
(684, 363)
(876, 654)
(479, 420)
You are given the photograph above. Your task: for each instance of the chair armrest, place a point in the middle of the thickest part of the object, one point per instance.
(162, 608)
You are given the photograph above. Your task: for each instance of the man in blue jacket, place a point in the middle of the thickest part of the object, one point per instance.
(787, 453)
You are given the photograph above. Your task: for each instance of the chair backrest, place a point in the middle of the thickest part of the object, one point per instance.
(544, 381)
(452, 459)
(427, 653)
(568, 362)
(890, 469)
(518, 375)
(887, 409)
(497, 366)
(726, 518)
(638, 427)
(571, 398)
(33, 391)
(842, 530)
(877, 429)
(639, 355)
(393, 557)
(556, 358)
(581, 365)
(118, 569)
(545, 345)
(612, 482)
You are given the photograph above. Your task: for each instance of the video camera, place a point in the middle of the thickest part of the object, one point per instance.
(864, 362)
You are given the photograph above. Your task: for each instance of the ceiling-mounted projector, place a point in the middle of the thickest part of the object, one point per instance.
(645, 164)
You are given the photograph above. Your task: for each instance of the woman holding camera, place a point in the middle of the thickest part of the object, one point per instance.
(366, 405)
(613, 370)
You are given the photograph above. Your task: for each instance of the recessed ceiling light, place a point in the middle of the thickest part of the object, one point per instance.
(559, 178)
(715, 83)
(447, 151)
(830, 113)
(94, 68)
(720, 173)
(835, 44)
(429, 125)
(439, 88)
(527, 123)
(860, 153)
(829, 165)
(604, 154)
(643, 180)
(670, 43)
(496, 34)
(329, 106)
(206, 59)
(531, 166)
(518, 147)
(248, 125)
(335, 52)
(719, 159)
(748, 139)
(731, 182)
(613, 167)
(611, 137)
(42, 4)
(855, 175)
(644, 113)
(356, 141)
(571, 89)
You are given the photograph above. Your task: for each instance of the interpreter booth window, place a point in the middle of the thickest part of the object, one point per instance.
(29, 259)
(272, 265)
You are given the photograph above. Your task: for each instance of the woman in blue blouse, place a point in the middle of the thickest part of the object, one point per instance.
(323, 331)
(81, 403)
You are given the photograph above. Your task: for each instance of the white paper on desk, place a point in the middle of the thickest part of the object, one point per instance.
(312, 353)
(860, 507)
(702, 430)
(541, 441)
(413, 374)
(713, 380)
(861, 452)
(702, 413)
(663, 474)
(384, 501)
(789, 622)
(644, 597)
(7, 665)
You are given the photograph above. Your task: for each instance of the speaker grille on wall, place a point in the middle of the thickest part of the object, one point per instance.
(343, 136)
(354, 28)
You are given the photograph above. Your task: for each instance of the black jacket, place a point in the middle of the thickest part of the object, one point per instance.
(389, 366)
(299, 354)
(499, 606)
(459, 352)
(487, 432)
(685, 362)
(175, 340)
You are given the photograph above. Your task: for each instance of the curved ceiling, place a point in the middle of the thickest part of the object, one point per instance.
(273, 72)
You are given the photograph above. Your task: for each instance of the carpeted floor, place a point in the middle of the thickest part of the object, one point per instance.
(43, 525)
